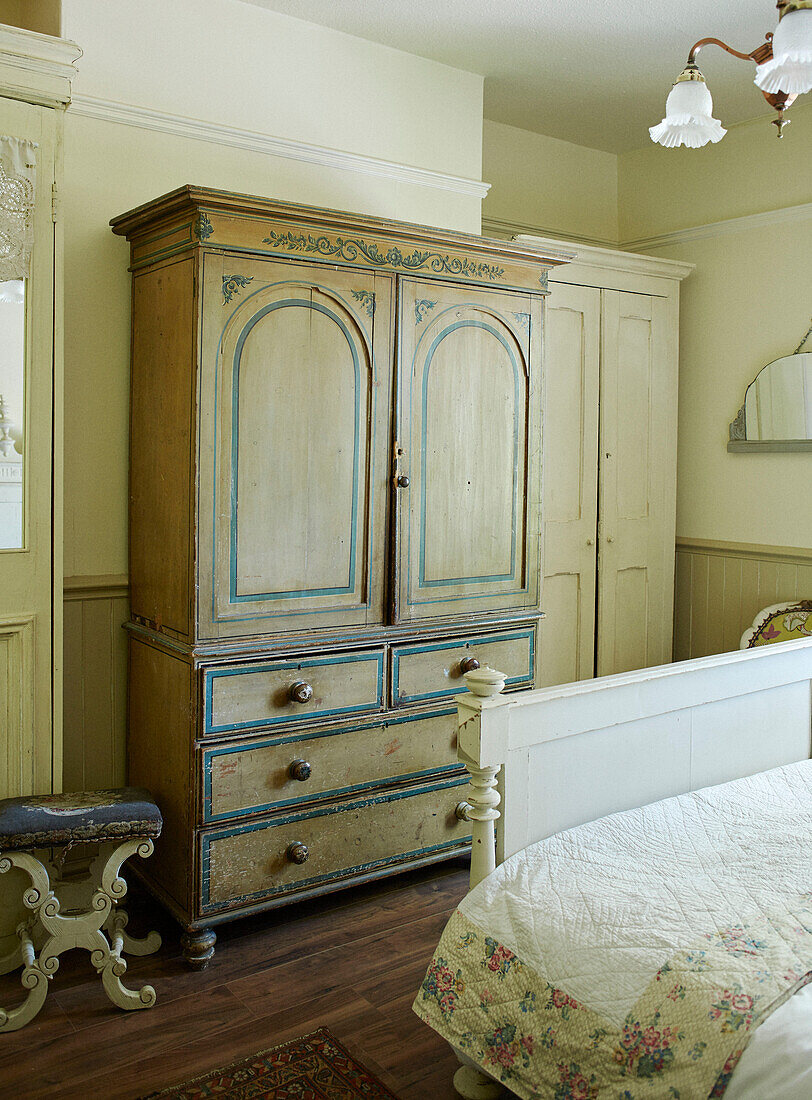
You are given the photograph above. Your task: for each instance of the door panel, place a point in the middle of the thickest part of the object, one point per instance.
(468, 433)
(638, 433)
(30, 510)
(569, 560)
(300, 438)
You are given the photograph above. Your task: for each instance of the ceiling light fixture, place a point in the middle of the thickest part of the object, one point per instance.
(783, 72)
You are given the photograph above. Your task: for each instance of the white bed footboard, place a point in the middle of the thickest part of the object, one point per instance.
(575, 753)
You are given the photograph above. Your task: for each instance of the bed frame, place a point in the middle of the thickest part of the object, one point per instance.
(567, 755)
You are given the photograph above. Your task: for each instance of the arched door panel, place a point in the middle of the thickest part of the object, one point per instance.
(470, 437)
(298, 446)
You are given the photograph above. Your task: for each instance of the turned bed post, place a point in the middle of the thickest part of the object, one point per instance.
(481, 741)
(481, 745)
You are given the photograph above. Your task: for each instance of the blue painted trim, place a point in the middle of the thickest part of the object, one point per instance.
(482, 598)
(480, 308)
(207, 840)
(422, 582)
(311, 735)
(330, 292)
(287, 303)
(280, 666)
(164, 253)
(335, 792)
(264, 253)
(511, 681)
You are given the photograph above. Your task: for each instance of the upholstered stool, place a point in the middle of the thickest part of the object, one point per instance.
(68, 914)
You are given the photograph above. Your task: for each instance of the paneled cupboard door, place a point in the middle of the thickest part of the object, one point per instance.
(294, 452)
(638, 424)
(570, 515)
(467, 451)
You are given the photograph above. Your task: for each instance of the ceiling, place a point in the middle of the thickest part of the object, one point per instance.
(595, 72)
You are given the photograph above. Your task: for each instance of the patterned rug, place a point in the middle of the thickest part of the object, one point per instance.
(315, 1067)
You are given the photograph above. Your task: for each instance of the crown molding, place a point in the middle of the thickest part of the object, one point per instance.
(497, 227)
(36, 67)
(743, 224)
(146, 118)
(607, 259)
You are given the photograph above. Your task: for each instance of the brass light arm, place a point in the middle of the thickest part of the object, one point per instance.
(778, 101)
(718, 42)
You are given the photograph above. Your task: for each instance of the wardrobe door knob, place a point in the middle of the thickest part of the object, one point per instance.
(403, 482)
(468, 664)
(300, 769)
(300, 692)
(297, 852)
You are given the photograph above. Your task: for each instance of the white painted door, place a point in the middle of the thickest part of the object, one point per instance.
(638, 410)
(30, 741)
(570, 484)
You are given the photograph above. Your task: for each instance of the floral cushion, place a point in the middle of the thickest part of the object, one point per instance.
(81, 817)
(782, 622)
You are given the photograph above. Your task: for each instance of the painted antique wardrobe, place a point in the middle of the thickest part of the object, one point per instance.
(335, 506)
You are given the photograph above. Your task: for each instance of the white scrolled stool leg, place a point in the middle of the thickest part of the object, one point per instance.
(472, 1084)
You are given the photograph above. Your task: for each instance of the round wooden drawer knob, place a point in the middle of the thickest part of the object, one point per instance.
(300, 692)
(297, 852)
(300, 769)
(468, 664)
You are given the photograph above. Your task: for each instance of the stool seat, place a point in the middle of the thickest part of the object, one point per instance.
(79, 817)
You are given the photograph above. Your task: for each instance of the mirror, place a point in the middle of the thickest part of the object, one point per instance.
(12, 412)
(777, 410)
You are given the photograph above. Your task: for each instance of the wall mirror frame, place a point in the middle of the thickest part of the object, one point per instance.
(776, 414)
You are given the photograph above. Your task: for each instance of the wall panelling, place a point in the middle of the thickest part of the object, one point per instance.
(721, 585)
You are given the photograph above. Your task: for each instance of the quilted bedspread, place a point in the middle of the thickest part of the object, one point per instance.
(634, 956)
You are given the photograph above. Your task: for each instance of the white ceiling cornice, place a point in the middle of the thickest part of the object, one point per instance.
(36, 67)
(181, 126)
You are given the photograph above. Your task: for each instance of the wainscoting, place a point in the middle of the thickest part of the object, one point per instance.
(95, 682)
(721, 585)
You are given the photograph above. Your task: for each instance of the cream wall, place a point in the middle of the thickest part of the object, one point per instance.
(542, 185)
(741, 211)
(750, 171)
(748, 302)
(240, 67)
(228, 95)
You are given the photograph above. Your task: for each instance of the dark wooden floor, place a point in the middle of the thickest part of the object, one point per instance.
(351, 963)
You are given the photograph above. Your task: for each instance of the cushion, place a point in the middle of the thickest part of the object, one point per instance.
(38, 821)
(783, 622)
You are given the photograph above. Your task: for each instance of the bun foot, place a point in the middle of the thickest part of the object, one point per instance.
(198, 947)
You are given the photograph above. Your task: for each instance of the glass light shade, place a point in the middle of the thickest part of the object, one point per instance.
(790, 69)
(688, 119)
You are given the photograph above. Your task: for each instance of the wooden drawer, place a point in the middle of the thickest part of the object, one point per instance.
(245, 697)
(431, 670)
(241, 865)
(255, 776)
